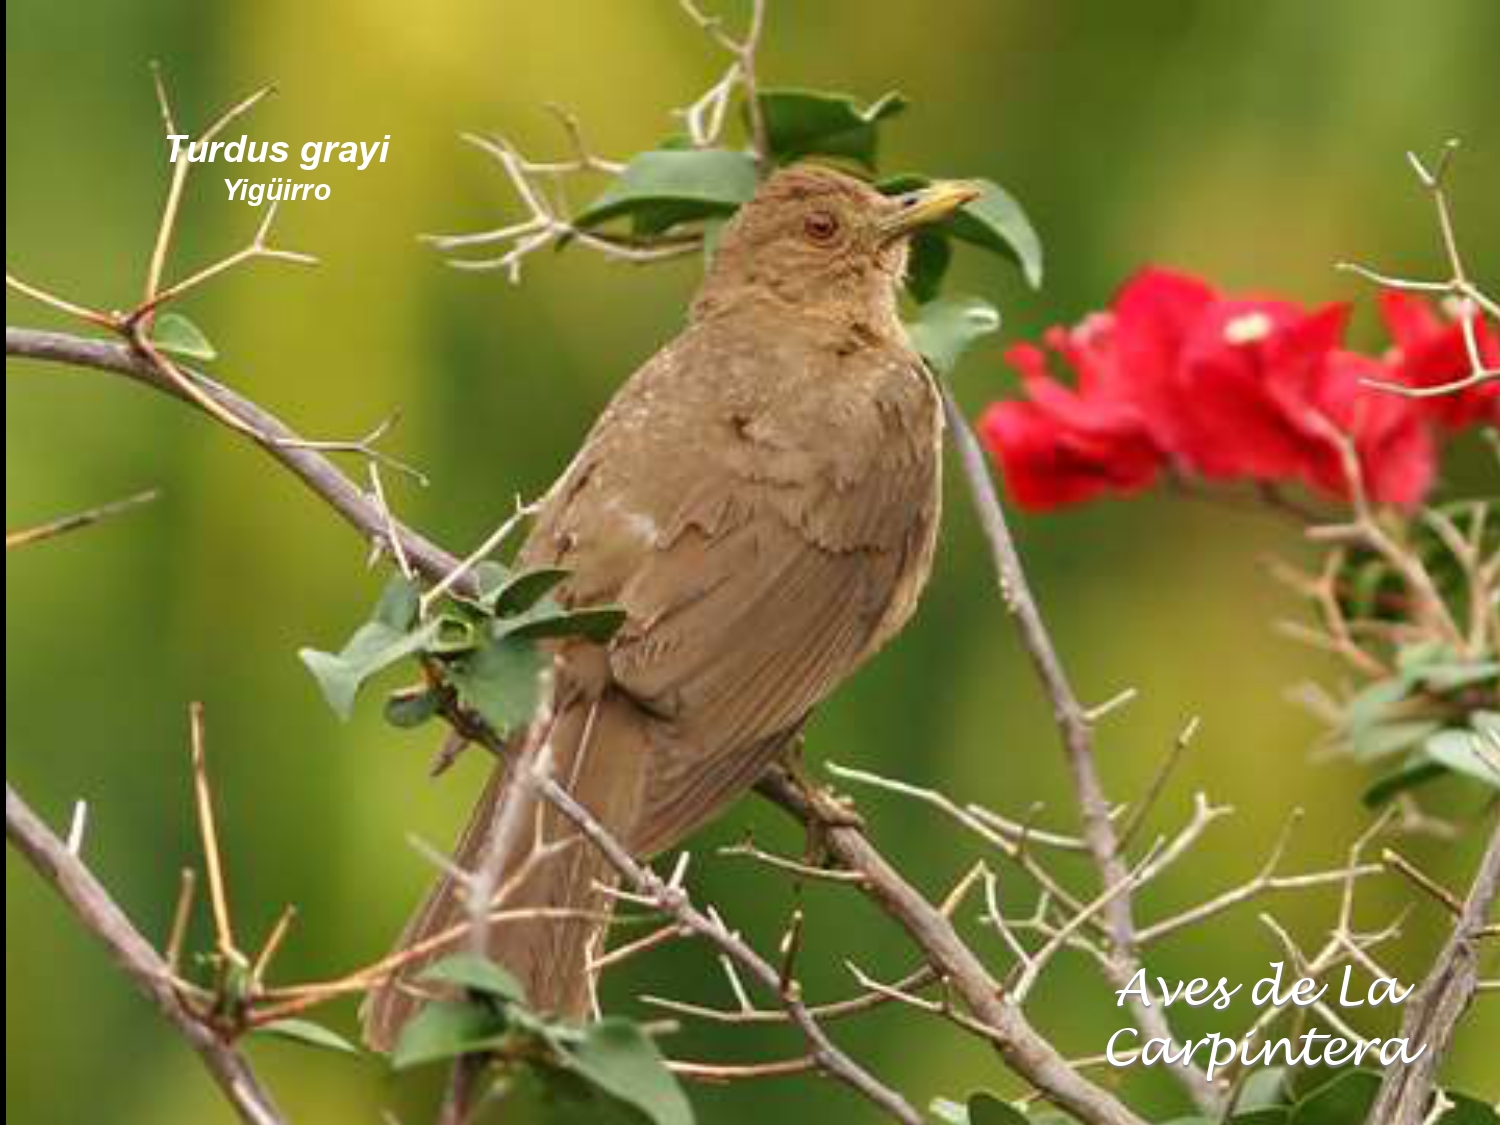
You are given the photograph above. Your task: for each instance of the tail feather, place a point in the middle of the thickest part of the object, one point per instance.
(598, 746)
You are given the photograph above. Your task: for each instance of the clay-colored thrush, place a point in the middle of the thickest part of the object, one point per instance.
(762, 499)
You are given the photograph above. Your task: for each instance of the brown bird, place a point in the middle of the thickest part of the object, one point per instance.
(761, 497)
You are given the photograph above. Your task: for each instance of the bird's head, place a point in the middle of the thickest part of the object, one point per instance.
(823, 242)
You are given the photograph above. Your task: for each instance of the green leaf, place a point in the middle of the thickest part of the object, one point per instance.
(986, 1109)
(374, 646)
(499, 681)
(996, 222)
(411, 707)
(1383, 739)
(812, 122)
(456, 633)
(1265, 1115)
(477, 974)
(1373, 704)
(946, 328)
(993, 222)
(522, 591)
(312, 1034)
(173, 332)
(928, 265)
(1264, 1087)
(949, 1111)
(548, 619)
(398, 603)
(665, 187)
(619, 1059)
(1344, 1099)
(445, 1029)
(1414, 773)
(1469, 1111)
(1465, 751)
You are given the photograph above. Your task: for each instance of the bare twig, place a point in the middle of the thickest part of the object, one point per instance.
(1078, 742)
(1469, 300)
(24, 537)
(98, 913)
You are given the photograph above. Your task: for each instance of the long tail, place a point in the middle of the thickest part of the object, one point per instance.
(598, 748)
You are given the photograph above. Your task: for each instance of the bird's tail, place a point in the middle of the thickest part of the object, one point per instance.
(596, 747)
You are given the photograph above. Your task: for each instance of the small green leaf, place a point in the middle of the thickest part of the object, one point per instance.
(811, 122)
(665, 187)
(1265, 1115)
(1345, 1098)
(522, 591)
(993, 222)
(1373, 704)
(398, 604)
(928, 265)
(946, 328)
(456, 633)
(499, 681)
(1464, 751)
(1264, 1087)
(619, 1059)
(1383, 739)
(374, 646)
(478, 974)
(593, 623)
(173, 332)
(996, 222)
(1414, 773)
(1469, 1111)
(312, 1034)
(445, 1029)
(949, 1111)
(986, 1109)
(411, 707)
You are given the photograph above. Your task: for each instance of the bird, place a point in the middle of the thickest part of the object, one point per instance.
(762, 499)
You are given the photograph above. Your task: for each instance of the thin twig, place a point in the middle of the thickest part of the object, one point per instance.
(98, 913)
(50, 530)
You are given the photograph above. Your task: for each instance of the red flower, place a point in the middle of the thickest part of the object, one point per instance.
(1430, 351)
(1396, 452)
(1176, 374)
(1064, 447)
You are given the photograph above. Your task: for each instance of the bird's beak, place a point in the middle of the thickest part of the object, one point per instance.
(928, 205)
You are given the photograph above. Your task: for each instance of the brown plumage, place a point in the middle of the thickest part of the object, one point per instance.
(762, 499)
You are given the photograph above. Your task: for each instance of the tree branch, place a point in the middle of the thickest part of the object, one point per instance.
(1078, 744)
(102, 917)
(1434, 1013)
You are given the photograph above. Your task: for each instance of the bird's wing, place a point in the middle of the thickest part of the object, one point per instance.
(759, 559)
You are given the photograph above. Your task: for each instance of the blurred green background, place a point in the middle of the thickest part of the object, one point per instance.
(1255, 144)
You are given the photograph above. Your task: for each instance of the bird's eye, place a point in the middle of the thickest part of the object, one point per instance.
(821, 226)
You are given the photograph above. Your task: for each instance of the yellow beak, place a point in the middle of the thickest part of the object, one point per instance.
(928, 205)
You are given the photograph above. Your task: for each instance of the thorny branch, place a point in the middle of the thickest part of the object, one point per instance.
(540, 185)
(1078, 743)
(98, 913)
(1469, 301)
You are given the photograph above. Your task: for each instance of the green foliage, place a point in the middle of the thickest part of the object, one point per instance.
(480, 653)
(1267, 1098)
(676, 184)
(944, 329)
(616, 1057)
(993, 222)
(308, 1033)
(175, 333)
(665, 188)
(817, 123)
(611, 1062)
